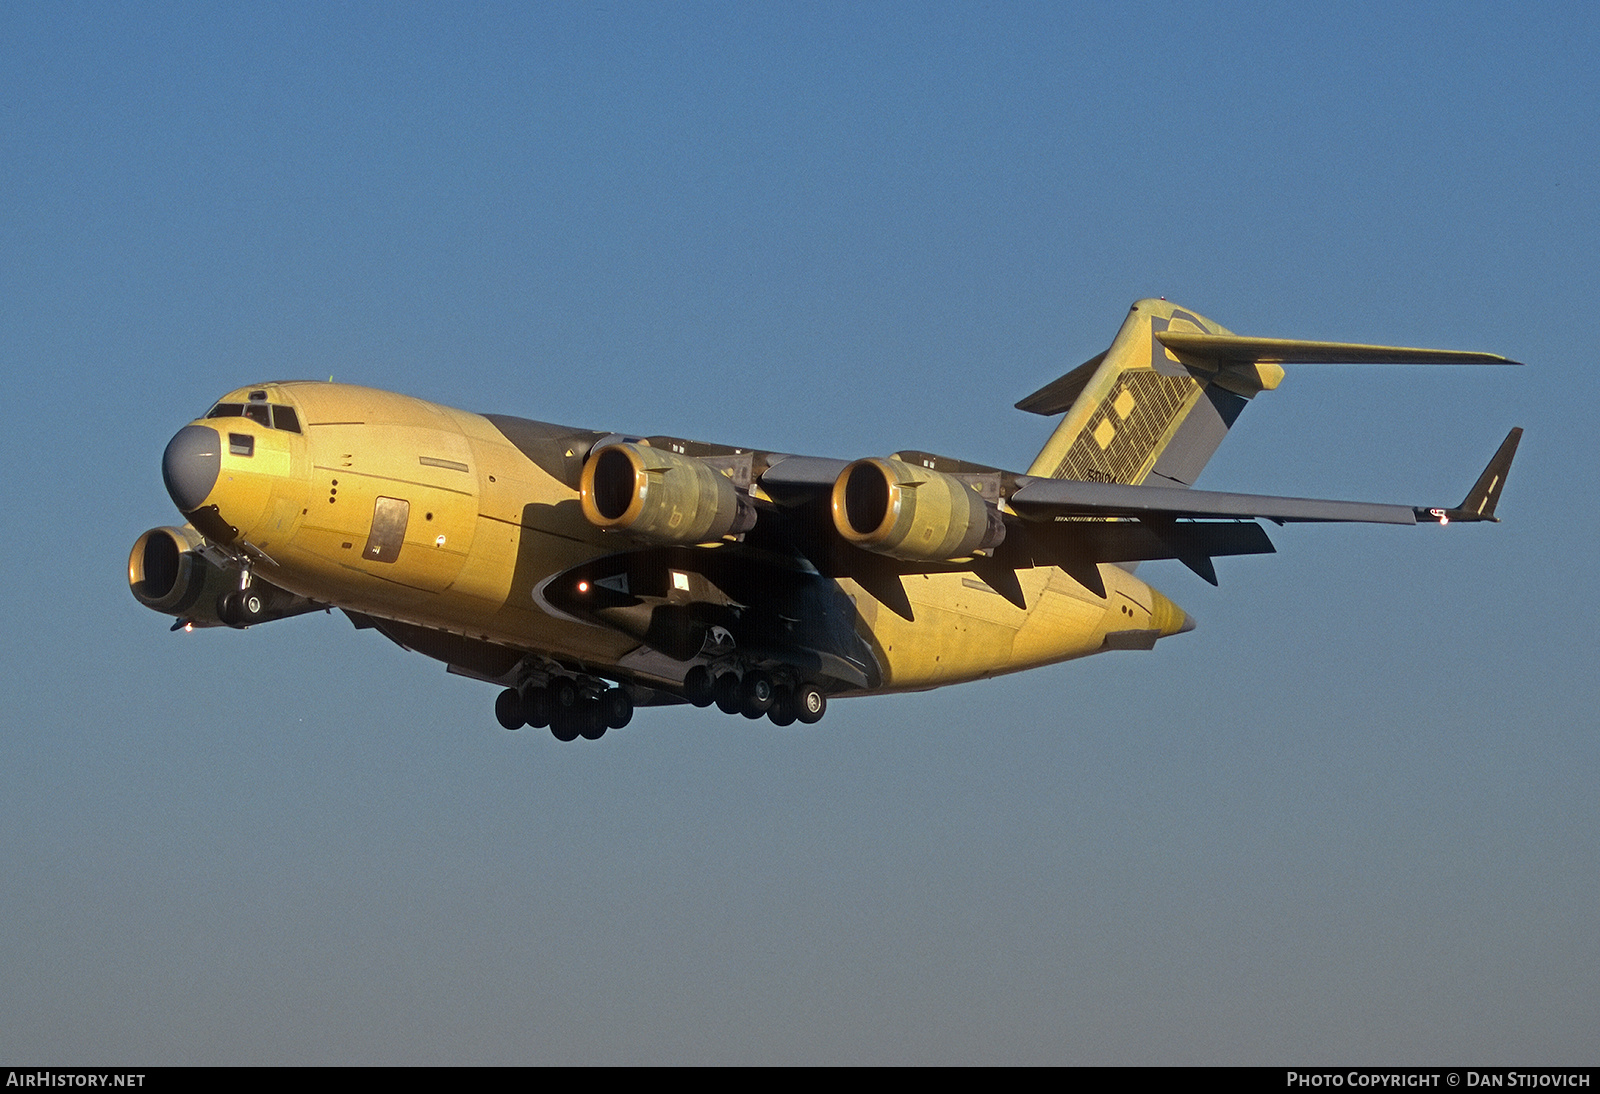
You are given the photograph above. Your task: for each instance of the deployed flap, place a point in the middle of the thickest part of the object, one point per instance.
(1048, 499)
(1078, 546)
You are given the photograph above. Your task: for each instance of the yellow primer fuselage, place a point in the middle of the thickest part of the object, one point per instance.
(425, 515)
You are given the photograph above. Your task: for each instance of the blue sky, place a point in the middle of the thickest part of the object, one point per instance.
(1352, 817)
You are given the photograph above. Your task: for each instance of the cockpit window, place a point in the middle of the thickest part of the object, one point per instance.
(241, 444)
(271, 415)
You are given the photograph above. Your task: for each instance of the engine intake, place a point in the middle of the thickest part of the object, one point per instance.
(896, 509)
(167, 575)
(661, 496)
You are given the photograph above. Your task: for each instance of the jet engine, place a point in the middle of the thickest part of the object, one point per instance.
(661, 496)
(168, 573)
(903, 511)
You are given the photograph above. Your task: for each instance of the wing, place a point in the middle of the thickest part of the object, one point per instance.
(1061, 499)
(1078, 525)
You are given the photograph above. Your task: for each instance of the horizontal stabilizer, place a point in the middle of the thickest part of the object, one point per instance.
(1057, 396)
(1221, 348)
(1136, 412)
(1056, 499)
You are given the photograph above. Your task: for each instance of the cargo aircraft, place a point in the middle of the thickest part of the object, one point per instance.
(587, 573)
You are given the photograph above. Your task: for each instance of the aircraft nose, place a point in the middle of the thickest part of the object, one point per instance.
(190, 465)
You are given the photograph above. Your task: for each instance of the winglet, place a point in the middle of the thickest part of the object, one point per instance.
(1485, 493)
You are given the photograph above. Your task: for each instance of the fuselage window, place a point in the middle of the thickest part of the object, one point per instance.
(241, 444)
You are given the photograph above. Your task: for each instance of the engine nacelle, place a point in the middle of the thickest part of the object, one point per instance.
(915, 513)
(167, 574)
(661, 496)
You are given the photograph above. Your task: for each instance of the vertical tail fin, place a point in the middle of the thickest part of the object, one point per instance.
(1136, 413)
(1156, 404)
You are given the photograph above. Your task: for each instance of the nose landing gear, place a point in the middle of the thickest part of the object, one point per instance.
(242, 608)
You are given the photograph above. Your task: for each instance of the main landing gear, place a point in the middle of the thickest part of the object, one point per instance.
(586, 708)
(570, 709)
(756, 694)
